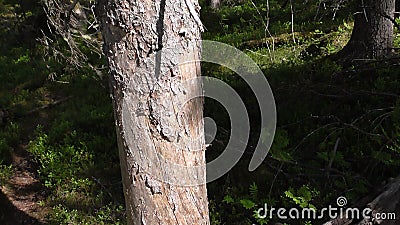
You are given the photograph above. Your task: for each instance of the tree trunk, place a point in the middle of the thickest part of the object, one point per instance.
(159, 127)
(372, 35)
(215, 4)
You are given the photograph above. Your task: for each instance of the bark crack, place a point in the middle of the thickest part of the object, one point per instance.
(160, 34)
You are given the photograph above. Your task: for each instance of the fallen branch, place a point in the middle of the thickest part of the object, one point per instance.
(387, 202)
(56, 102)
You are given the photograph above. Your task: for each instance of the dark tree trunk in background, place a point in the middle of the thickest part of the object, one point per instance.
(372, 35)
(145, 42)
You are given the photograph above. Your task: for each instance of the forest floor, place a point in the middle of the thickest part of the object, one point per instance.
(21, 195)
(337, 135)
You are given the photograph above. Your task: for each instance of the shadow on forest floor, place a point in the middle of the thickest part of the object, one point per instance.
(11, 215)
(20, 196)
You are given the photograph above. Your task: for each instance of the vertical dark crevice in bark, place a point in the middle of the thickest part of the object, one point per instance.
(160, 34)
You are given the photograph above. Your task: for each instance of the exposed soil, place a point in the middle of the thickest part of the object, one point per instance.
(20, 196)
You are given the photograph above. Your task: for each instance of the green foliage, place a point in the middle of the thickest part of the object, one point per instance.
(327, 115)
(60, 164)
(260, 220)
(253, 189)
(78, 158)
(5, 151)
(242, 205)
(279, 149)
(215, 216)
(319, 102)
(228, 199)
(9, 138)
(105, 215)
(5, 173)
(75, 144)
(247, 203)
(303, 196)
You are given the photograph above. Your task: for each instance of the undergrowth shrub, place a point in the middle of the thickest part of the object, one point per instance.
(61, 163)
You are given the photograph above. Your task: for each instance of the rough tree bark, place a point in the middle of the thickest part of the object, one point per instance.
(145, 43)
(372, 35)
